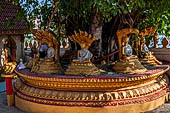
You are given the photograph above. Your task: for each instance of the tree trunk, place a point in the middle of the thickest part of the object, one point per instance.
(96, 30)
(109, 37)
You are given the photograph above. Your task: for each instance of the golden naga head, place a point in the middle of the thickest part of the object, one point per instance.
(47, 37)
(123, 38)
(43, 36)
(10, 67)
(148, 31)
(83, 39)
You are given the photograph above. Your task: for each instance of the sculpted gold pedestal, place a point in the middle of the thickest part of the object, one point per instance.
(84, 68)
(46, 66)
(105, 93)
(129, 65)
(150, 60)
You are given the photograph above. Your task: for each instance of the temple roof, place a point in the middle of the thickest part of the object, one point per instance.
(8, 13)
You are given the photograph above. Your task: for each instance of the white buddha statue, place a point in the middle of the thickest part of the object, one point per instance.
(51, 53)
(84, 54)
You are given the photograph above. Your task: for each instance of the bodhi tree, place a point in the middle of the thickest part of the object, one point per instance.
(102, 18)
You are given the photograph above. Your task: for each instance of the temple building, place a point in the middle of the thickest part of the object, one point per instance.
(12, 30)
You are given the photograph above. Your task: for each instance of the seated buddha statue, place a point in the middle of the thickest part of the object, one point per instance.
(148, 57)
(51, 51)
(82, 66)
(127, 63)
(50, 63)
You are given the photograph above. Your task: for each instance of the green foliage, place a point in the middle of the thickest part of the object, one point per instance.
(157, 12)
(77, 12)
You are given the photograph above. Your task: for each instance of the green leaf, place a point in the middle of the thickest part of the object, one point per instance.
(125, 11)
(121, 6)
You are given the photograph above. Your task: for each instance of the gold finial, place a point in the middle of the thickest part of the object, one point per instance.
(26, 44)
(156, 38)
(165, 42)
(30, 44)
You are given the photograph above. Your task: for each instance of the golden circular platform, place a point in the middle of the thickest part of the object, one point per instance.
(101, 82)
(103, 93)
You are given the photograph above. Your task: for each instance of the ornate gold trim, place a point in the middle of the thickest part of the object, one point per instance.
(40, 108)
(121, 94)
(93, 103)
(79, 83)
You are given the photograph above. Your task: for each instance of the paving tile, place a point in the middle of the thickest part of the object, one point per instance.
(4, 107)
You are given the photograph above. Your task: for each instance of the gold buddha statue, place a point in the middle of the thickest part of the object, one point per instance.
(49, 64)
(148, 57)
(127, 62)
(82, 65)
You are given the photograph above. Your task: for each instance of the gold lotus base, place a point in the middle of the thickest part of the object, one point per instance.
(45, 66)
(135, 99)
(129, 65)
(120, 96)
(150, 61)
(82, 68)
(77, 94)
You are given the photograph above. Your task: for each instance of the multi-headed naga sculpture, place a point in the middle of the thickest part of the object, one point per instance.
(84, 40)
(82, 65)
(9, 67)
(49, 64)
(146, 32)
(123, 40)
(148, 59)
(127, 63)
(49, 38)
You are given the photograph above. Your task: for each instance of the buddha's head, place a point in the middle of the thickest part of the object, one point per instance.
(50, 44)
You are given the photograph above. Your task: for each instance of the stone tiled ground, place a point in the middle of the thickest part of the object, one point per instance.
(162, 109)
(4, 108)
